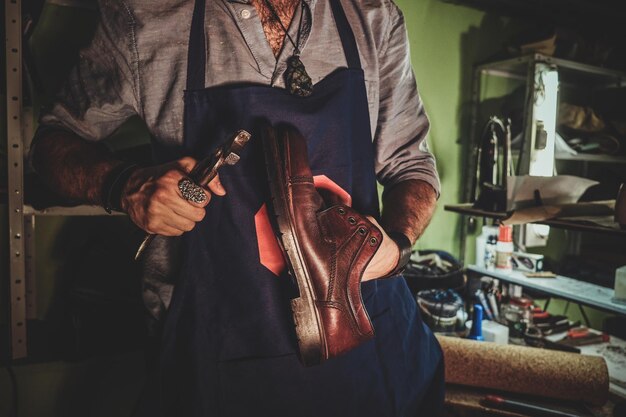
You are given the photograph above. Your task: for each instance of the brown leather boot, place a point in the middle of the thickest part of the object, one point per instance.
(327, 248)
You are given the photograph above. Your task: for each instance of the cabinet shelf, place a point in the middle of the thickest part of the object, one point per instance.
(560, 286)
(467, 209)
(570, 72)
(84, 210)
(609, 159)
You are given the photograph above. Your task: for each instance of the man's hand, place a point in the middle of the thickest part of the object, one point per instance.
(407, 208)
(385, 259)
(154, 203)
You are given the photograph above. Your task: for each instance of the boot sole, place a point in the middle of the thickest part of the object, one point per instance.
(306, 317)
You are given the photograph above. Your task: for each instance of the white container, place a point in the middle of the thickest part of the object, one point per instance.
(504, 251)
(504, 248)
(484, 251)
(527, 262)
(493, 332)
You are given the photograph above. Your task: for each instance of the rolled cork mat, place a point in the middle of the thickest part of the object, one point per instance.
(526, 370)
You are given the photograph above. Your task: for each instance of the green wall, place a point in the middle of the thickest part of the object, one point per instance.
(446, 40)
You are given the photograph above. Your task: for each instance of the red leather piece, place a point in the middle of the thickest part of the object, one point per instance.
(334, 191)
(270, 253)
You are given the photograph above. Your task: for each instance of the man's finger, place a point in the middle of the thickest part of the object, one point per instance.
(193, 193)
(188, 210)
(169, 231)
(374, 221)
(186, 164)
(178, 222)
(216, 186)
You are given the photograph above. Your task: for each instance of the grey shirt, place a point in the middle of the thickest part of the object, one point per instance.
(136, 65)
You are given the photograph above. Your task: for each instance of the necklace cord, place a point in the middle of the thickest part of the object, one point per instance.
(297, 81)
(275, 14)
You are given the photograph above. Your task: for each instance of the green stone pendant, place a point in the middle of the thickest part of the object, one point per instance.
(297, 80)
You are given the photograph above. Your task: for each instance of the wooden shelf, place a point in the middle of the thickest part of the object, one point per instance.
(561, 286)
(468, 210)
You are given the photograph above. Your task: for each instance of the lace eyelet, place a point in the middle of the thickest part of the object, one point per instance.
(362, 231)
(351, 220)
(373, 241)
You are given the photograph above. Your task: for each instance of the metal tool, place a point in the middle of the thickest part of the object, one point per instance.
(494, 165)
(524, 407)
(205, 170)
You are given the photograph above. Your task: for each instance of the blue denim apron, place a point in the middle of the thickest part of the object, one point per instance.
(229, 345)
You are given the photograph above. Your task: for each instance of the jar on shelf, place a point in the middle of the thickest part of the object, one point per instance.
(517, 315)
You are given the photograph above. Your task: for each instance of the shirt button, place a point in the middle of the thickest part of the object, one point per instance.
(245, 13)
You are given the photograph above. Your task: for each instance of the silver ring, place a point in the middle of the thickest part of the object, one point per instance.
(191, 191)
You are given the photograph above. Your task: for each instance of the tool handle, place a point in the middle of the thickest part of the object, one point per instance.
(144, 245)
(205, 174)
(525, 407)
(206, 169)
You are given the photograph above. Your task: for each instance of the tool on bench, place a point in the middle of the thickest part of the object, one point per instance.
(524, 407)
(534, 337)
(227, 154)
(554, 324)
(582, 336)
(480, 296)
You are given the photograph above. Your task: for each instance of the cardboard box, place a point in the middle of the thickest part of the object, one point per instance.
(527, 262)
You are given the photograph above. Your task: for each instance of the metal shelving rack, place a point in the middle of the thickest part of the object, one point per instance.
(570, 74)
(561, 286)
(527, 68)
(21, 217)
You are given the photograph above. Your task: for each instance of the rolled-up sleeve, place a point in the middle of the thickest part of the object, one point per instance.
(101, 92)
(401, 150)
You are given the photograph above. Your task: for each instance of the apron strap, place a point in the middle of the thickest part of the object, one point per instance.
(348, 41)
(196, 53)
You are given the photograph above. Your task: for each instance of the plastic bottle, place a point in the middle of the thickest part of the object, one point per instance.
(504, 248)
(476, 333)
(490, 252)
(482, 254)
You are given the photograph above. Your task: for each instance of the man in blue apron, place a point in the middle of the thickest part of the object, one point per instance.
(337, 71)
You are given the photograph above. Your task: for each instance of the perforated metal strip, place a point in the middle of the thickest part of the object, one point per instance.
(17, 264)
(29, 250)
